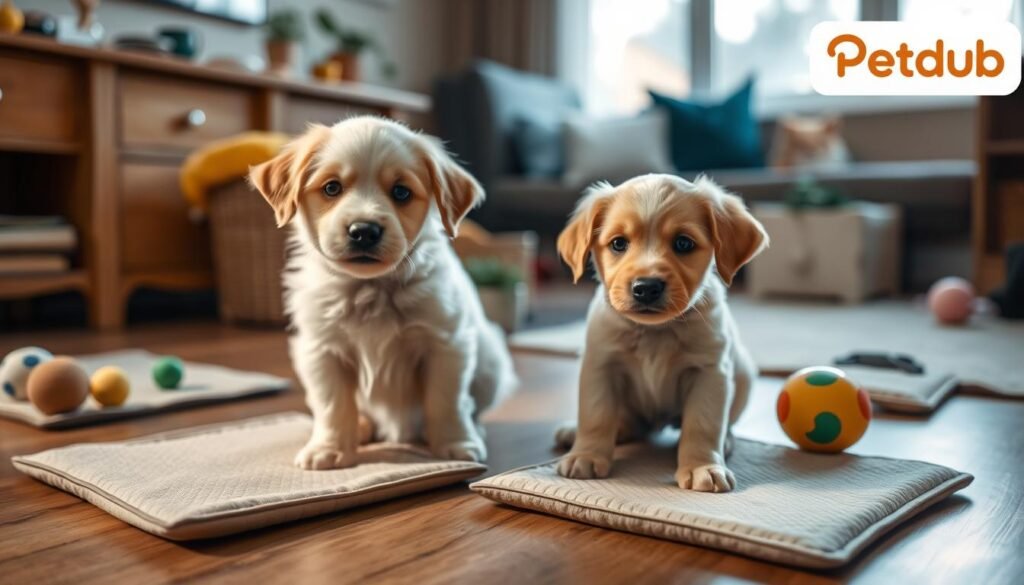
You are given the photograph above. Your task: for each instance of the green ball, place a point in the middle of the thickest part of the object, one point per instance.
(168, 372)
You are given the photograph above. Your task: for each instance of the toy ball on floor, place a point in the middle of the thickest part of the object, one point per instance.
(168, 372)
(57, 386)
(109, 386)
(951, 300)
(820, 409)
(15, 368)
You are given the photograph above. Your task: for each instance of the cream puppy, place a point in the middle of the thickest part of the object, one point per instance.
(390, 339)
(662, 348)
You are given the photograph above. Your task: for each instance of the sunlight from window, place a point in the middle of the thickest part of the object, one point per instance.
(924, 10)
(768, 38)
(635, 46)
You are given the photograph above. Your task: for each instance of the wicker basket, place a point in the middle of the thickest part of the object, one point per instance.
(248, 255)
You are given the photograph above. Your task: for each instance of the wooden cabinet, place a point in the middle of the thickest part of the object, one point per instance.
(998, 198)
(156, 231)
(40, 100)
(104, 133)
(179, 114)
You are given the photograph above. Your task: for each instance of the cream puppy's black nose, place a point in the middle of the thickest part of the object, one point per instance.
(647, 291)
(365, 234)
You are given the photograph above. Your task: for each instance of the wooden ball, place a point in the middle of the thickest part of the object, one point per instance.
(57, 386)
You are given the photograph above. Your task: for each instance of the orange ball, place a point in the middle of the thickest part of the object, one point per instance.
(57, 386)
(951, 300)
(822, 410)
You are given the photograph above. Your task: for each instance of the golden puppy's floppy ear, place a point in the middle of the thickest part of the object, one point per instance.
(736, 235)
(575, 240)
(455, 191)
(281, 178)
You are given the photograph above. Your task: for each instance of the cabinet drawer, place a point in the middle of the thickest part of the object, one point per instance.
(301, 111)
(156, 232)
(178, 114)
(41, 99)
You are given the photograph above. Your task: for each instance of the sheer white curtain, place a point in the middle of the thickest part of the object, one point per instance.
(615, 50)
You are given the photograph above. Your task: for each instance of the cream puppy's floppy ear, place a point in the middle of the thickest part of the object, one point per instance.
(575, 240)
(280, 179)
(736, 235)
(455, 191)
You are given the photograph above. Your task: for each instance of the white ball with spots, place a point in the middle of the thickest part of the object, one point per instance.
(15, 368)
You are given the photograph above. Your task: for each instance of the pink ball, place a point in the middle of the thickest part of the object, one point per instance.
(951, 300)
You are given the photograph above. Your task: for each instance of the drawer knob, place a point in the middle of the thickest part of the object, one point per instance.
(195, 118)
(1, 94)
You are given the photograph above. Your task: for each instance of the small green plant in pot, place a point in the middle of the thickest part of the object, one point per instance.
(285, 32)
(351, 44)
(502, 291)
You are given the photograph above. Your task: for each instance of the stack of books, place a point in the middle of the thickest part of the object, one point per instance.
(35, 245)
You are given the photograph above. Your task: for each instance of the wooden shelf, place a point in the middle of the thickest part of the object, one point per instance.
(27, 285)
(38, 147)
(1005, 147)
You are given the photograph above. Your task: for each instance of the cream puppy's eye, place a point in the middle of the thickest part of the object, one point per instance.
(619, 244)
(401, 193)
(332, 188)
(683, 244)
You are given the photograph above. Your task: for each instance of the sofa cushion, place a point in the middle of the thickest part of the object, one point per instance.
(615, 147)
(539, 147)
(508, 97)
(721, 135)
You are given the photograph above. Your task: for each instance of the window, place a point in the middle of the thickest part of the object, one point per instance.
(632, 47)
(769, 38)
(923, 10)
(709, 47)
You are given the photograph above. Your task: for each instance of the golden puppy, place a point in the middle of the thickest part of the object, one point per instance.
(390, 340)
(661, 347)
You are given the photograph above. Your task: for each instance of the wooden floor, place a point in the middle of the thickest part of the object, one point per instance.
(453, 536)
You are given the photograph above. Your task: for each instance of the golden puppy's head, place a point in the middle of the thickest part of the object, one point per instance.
(364, 189)
(654, 239)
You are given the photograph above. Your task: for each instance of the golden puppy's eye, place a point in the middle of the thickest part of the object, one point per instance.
(683, 244)
(619, 244)
(401, 193)
(332, 188)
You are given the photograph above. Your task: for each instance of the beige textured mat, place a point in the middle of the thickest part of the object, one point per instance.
(202, 384)
(789, 507)
(216, 480)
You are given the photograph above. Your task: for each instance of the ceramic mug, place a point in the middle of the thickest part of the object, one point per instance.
(185, 42)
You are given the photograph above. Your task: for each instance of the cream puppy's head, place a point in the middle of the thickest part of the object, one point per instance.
(654, 239)
(365, 189)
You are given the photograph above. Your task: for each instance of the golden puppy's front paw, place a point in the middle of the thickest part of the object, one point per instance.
(706, 478)
(322, 456)
(585, 465)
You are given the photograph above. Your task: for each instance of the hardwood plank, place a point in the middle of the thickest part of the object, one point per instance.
(452, 535)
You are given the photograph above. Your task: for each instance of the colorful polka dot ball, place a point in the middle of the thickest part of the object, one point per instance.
(15, 368)
(822, 410)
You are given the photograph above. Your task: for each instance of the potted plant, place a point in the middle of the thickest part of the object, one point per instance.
(503, 292)
(351, 44)
(284, 33)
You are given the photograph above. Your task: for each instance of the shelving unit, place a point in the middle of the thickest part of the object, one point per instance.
(998, 199)
(98, 136)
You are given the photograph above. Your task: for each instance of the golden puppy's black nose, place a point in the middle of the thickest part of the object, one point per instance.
(647, 291)
(365, 234)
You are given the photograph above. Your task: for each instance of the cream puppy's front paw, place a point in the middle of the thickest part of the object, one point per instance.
(585, 465)
(468, 450)
(706, 478)
(322, 456)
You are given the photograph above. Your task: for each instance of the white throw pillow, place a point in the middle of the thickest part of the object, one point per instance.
(615, 148)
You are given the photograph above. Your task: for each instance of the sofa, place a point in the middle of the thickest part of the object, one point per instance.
(477, 110)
